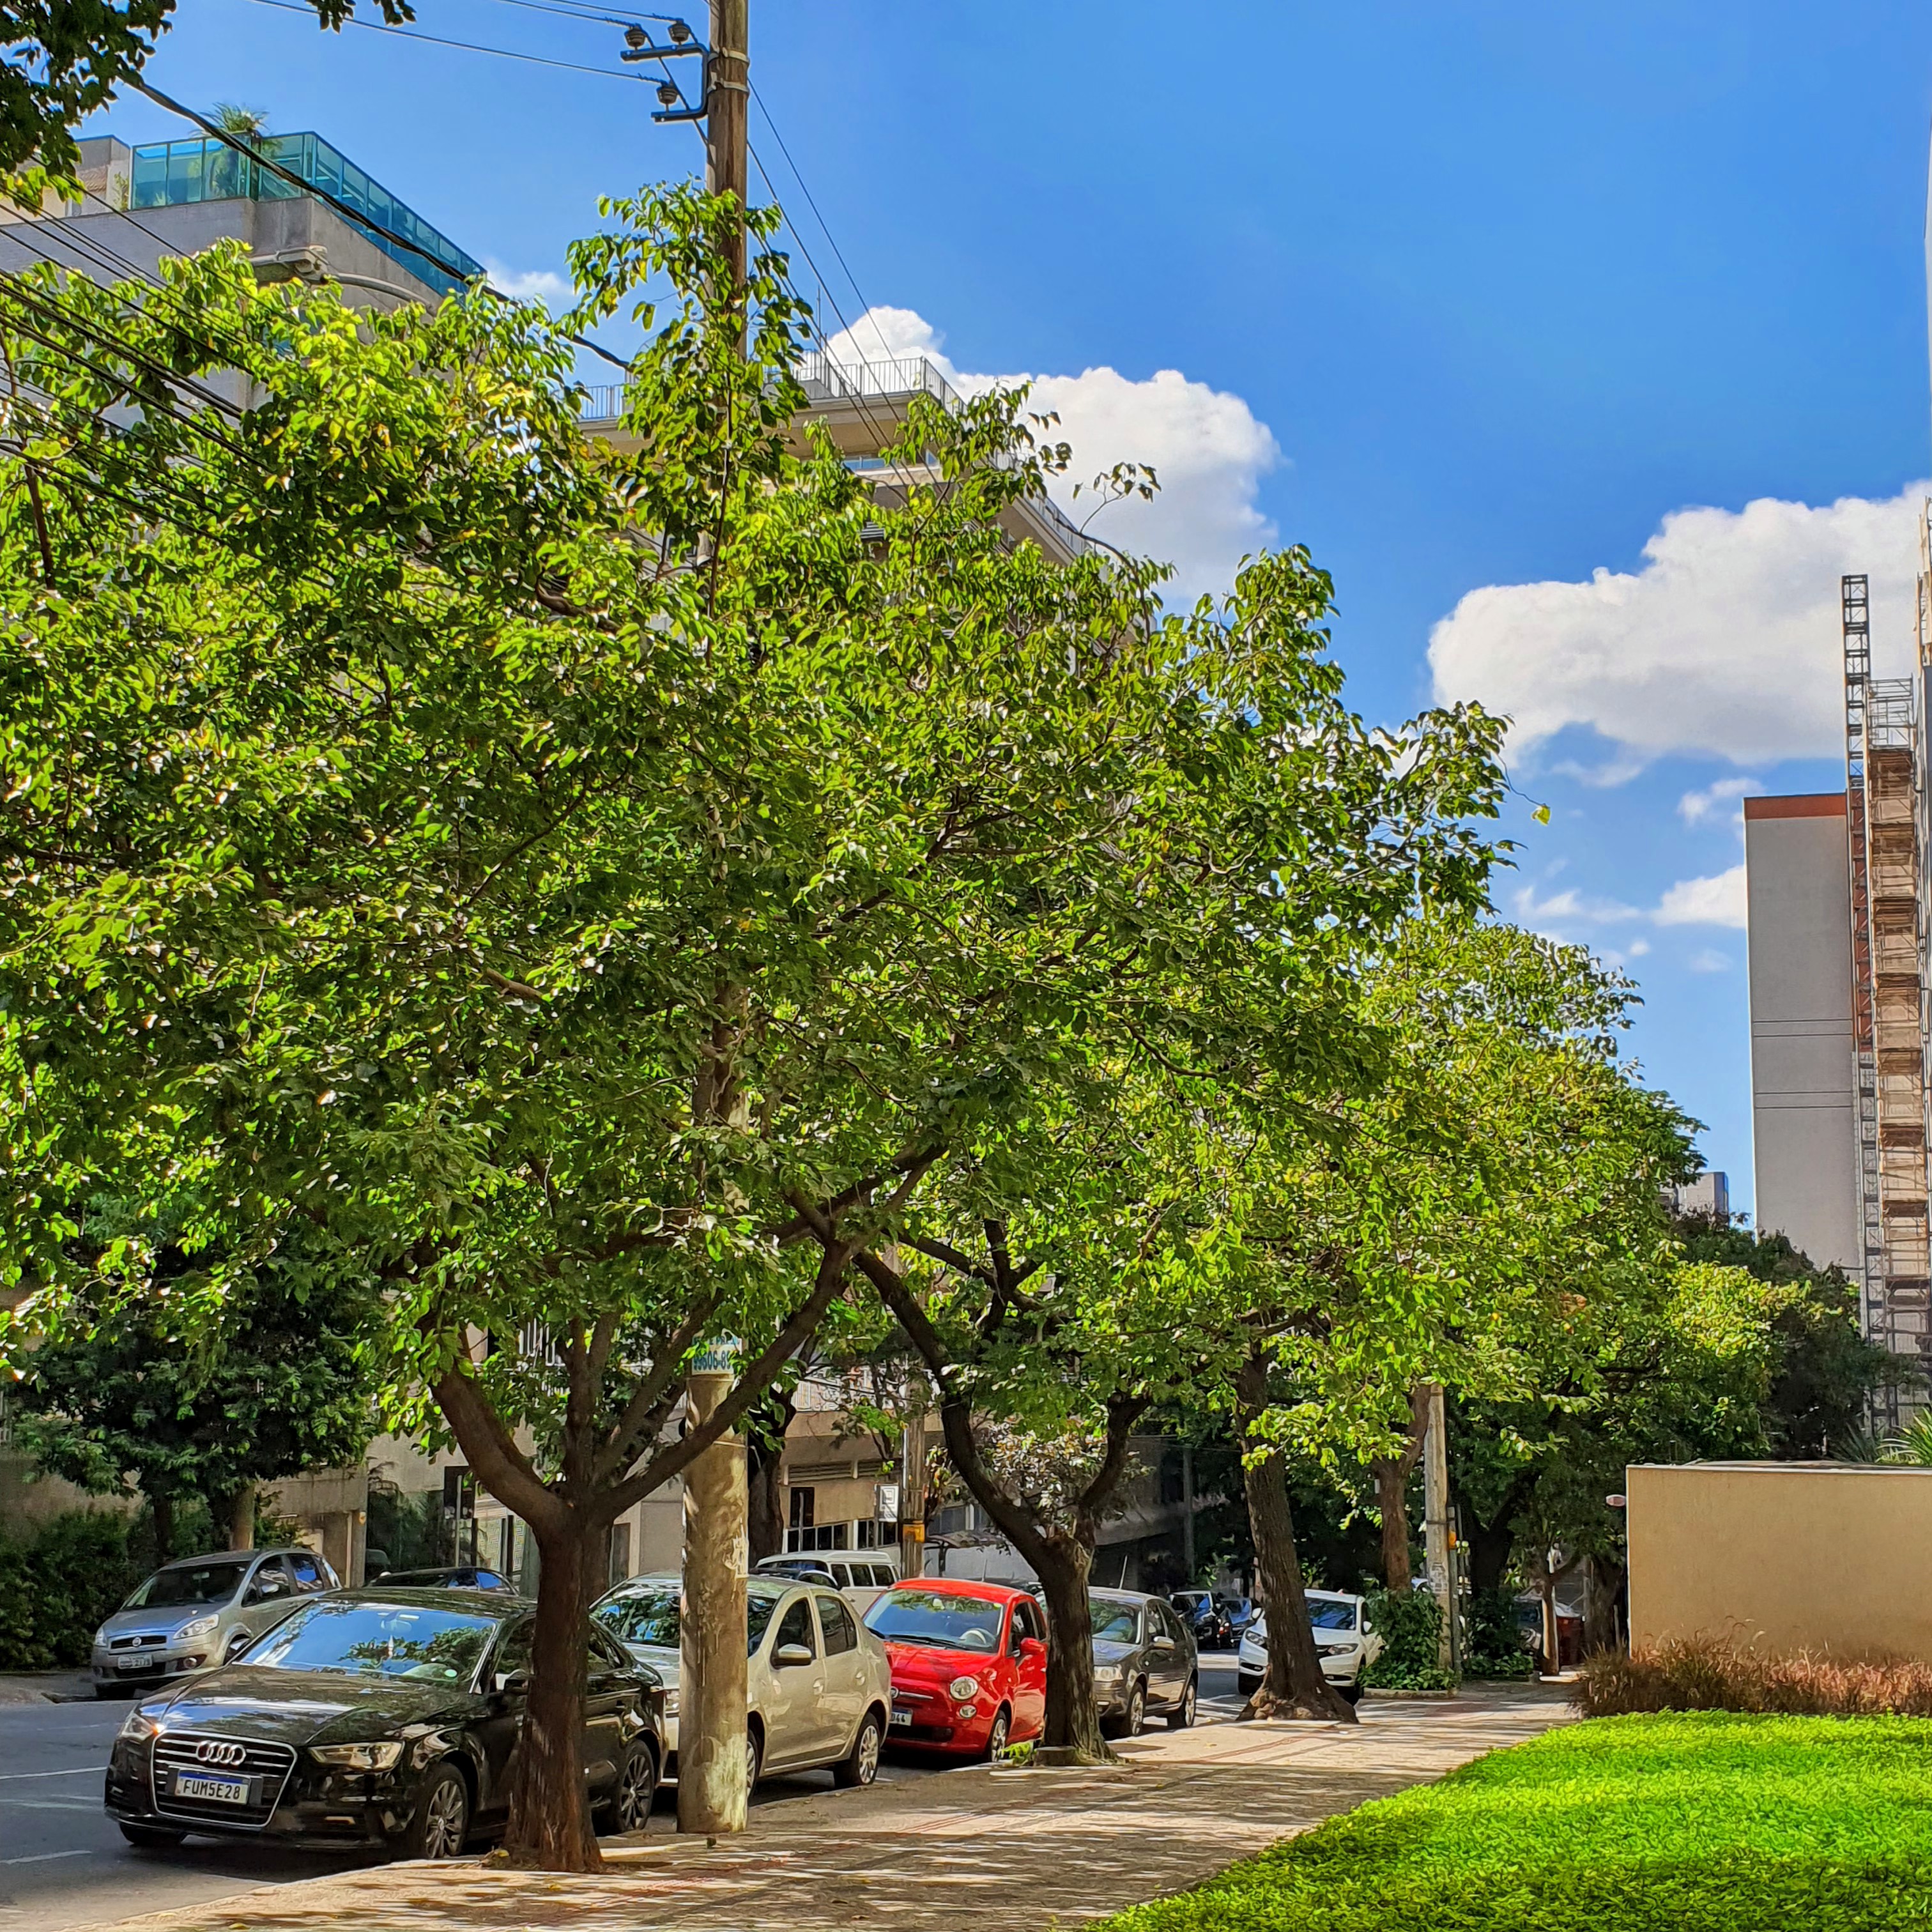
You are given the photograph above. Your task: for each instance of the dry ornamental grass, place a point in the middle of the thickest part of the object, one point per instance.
(1704, 1673)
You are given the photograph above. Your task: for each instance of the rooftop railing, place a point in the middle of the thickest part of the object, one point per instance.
(170, 174)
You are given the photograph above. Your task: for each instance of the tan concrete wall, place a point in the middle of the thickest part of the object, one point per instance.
(1793, 1556)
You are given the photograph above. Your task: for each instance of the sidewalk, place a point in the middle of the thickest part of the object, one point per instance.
(992, 1851)
(45, 1687)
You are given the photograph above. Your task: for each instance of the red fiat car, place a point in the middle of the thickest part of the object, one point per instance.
(969, 1665)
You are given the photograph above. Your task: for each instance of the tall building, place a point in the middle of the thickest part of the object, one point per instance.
(1837, 893)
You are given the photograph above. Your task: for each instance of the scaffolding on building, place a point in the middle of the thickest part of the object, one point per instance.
(1886, 820)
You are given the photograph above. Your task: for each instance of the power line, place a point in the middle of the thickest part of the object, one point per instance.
(467, 47)
(811, 201)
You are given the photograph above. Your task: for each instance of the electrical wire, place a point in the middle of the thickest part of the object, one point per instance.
(443, 41)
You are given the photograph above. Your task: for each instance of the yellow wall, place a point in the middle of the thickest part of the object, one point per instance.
(1795, 1556)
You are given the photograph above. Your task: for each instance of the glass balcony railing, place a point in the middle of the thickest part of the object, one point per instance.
(168, 174)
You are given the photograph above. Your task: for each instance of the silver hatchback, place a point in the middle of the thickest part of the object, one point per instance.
(201, 1610)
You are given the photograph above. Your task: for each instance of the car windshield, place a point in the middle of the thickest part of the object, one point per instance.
(650, 1617)
(1331, 1613)
(192, 1583)
(1116, 1623)
(368, 1639)
(936, 1617)
(759, 1605)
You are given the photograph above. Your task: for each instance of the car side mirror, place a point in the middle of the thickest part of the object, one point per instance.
(1163, 1643)
(1033, 1646)
(512, 1682)
(790, 1656)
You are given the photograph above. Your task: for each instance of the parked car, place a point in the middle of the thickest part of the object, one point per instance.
(968, 1664)
(864, 1577)
(1214, 1617)
(447, 1577)
(818, 1686)
(1345, 1641)
(199, 1611)
(1144, 1660)
(383, 1717)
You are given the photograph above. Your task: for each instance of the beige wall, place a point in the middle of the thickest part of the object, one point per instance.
(1795, 1556)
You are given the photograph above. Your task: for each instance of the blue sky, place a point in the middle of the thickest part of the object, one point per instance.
(1471, 299)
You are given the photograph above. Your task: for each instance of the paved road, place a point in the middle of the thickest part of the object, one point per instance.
(62, 1865)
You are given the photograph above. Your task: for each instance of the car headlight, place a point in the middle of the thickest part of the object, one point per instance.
(963, 1687)
(139, 1726)
(359, 1757)
(200, 1627)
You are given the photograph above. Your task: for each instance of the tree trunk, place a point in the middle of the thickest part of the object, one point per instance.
(242, 1518)
(765, 1431)
(550, 1828)
(1293, 1685)
(1391, 1474)
(1392, 1500)
(161, 1509)
(1072, 1718)
(1491, 1546)
(1601, 1582)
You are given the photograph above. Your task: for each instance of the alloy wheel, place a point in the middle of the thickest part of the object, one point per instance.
(867, 1756)
(1188, 1708)
(635, 1788)
(1136, 1718)
(996, 1738)
(445, 1819)
(752, 1754)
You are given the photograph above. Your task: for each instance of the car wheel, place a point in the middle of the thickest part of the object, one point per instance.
(861, 1765)
(1246, 1687)
(1133, 1720)
(629, 1809)
(997, 1737)
(1351, 1694)
(238, 1640)
(151, 1838)
(442, 1820)
(754, 1758)
(1182, 1715)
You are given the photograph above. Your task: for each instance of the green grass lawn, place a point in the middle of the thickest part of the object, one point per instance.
(1705, 1822)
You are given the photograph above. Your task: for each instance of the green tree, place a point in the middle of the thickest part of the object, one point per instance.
(562, 880)
(1827, 1371)
(178, 1408)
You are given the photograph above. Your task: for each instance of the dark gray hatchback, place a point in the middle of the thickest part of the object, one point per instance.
(374, 1717)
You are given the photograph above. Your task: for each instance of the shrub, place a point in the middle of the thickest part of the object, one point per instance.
(1702, 1673)
(57, 1584)
(1410, 1624)
(1493, 1640)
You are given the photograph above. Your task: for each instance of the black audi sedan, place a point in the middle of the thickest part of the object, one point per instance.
(374, 1717)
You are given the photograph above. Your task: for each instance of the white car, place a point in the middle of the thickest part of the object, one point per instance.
(1344, 1641)
(864, 1577)
(818, 1687)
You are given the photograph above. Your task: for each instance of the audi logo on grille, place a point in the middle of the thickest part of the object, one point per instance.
(211, 1750)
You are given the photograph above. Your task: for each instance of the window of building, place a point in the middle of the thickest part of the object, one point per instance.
(804, 1502)
(620, 1551)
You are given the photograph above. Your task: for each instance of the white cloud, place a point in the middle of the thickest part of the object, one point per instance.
(1208, 448)
(1725, 641)
(1638, 948)
(1695, 807)
(541, 285)
(1714, 901)
(1710, 961)
(1567, 908)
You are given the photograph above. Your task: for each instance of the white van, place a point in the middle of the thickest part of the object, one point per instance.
(862, 1575)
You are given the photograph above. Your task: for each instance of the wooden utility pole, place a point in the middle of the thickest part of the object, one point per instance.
(728, 112)
(713, 1788)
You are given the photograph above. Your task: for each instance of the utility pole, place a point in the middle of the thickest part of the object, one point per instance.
(727, 101)
(713, 1788)
(1436, 1518)
(712, 1730)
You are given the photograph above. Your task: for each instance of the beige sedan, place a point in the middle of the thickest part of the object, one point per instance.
(818, 1686)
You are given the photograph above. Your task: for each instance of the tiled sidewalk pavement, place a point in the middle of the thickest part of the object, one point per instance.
(969, 1851)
